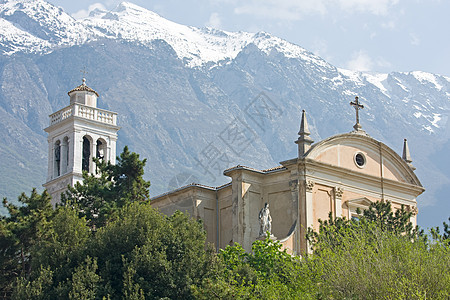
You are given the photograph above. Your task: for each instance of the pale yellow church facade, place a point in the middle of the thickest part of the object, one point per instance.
(339, 175)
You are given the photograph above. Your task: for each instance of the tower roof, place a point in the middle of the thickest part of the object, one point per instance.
(83, 88)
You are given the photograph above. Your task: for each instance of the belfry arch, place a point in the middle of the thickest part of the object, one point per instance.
(86, 154)
(57, 159)
(65, 154)
(101, 149)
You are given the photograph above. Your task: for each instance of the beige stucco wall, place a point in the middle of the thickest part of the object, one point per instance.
(182, 201)
(323, 203)
(197, 202)
(225, 217)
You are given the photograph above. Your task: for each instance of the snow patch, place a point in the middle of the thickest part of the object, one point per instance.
(428, 128)
(436, 119)
(352, 75)
(426, 77)
(377, 80)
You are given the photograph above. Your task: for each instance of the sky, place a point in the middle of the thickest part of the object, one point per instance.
(365, 35)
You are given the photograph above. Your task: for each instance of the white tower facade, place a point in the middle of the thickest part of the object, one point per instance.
(76, 134)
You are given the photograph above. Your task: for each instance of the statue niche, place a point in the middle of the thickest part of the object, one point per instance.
(265, 221)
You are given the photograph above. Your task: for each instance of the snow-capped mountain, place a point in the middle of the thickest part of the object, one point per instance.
(179, 88)
(38, 26)
(42, 26)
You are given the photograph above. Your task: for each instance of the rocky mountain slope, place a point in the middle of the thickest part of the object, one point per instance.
(182, 91)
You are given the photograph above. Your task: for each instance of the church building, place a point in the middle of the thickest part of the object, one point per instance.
(339, 175)
(77, 133)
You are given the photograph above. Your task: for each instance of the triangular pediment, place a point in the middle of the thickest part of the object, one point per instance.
(362, 203)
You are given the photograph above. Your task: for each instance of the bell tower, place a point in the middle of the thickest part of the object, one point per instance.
(77, 133)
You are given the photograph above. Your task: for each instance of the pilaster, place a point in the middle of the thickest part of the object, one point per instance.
(338, 192)
(294, 187)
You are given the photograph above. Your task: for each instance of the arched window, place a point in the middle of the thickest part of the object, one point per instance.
(64, 155)
(86, 154)
(57, 165)
(101, 149)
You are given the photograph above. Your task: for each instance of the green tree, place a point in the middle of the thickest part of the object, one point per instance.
(101, 195)
(146, 253)
(380, 213)
(371, 263)
(379, 256)
(398, 222)
(19, 232)
(142, 254)
(85, 281)
(57, 255)
(127, 176)
(265, 273)
(445, 236)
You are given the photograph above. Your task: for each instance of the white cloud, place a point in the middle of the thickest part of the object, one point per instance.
(295, 9)
(81, 14)
(360, 61)
(282, 9)
(388, 25)
(214, 20)
(376, 7)
(320, 48)
(414, 39)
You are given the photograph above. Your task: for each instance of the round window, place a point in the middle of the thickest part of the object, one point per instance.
(360, 160)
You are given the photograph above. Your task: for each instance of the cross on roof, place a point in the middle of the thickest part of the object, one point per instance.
(357, 107)
(84, 74)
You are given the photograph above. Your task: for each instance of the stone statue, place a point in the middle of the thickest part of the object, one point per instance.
(265, 221)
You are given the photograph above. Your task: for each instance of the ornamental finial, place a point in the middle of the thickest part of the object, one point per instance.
(406, 155)
(84, 75)
(304, 141)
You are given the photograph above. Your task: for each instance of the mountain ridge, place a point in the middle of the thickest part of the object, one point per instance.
(173, 102)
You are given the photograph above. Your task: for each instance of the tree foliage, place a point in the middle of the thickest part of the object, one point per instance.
(265, 273)
(379, 256)
(332, 231)
(369, 263)
(101, 195)
(19, 232)
(140, 254)
(445, 237)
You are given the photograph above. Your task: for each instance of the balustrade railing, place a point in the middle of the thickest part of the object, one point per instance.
(86, 112)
